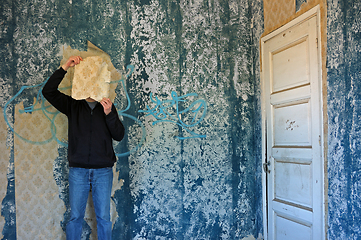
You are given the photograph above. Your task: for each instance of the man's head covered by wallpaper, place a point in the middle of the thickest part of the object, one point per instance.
(95, 77)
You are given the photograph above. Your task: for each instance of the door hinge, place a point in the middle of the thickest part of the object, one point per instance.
(266, 166)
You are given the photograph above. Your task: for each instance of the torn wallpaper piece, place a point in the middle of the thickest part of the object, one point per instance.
(67, 84)
(91, 79)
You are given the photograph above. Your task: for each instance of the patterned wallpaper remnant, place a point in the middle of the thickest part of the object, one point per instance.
(93, 56)
(37, 201)
(276, 12)
(91, 79)
(4, 162)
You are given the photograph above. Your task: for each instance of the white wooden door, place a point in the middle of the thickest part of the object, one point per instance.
(293, 131)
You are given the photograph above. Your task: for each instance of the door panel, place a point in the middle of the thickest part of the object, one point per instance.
(291, 91)
(292, 125)
(293, 183)
(290, 66)
(288, 229)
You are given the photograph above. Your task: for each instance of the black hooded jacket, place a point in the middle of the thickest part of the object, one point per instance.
(90, 132)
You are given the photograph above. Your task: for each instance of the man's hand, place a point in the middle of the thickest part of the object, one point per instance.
(71, 62)
(107, 105)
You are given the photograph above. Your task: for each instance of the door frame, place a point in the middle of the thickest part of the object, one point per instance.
(315, 11)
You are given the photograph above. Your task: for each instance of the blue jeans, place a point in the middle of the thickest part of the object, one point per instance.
(80, 180)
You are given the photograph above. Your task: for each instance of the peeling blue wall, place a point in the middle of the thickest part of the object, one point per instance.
(192, 188)
(174, 188)
(299, 3)
(344, 119)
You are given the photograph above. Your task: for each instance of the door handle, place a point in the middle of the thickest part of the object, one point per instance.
(266, 167)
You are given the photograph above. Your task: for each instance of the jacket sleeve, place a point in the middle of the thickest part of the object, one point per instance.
(115, 126)
(50, 91)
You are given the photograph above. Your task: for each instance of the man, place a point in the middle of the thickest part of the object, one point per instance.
(91, 128)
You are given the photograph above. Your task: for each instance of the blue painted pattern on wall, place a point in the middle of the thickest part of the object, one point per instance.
(344, 129)
(299, 3)
(168, 111)
(196, 179)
